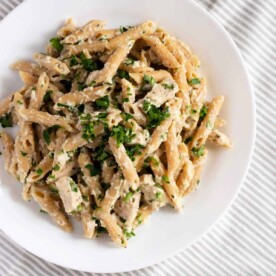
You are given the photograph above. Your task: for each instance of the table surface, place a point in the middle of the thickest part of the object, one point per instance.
(243, 241)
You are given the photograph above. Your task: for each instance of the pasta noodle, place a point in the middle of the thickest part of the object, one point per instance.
(113, 125)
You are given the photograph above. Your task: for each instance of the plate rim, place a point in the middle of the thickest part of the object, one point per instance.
(251, 94)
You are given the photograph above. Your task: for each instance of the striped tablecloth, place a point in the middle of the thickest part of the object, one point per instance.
(243, 242)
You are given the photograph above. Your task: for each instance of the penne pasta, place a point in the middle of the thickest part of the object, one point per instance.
(112, 64)
(113, 125)
(135, 33)
(164, 55)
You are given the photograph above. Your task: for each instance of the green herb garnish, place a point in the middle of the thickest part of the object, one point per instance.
(147, 84)
(56, 167)
(123, 74)
(129, 61)
(158, 196)
(103, 102)
(47, 133)
(154, 115)
(105, 186)
(102, 115)
(203, 112)
(126, 116)
(125, 28)
(166, 179)
(187, 140)
(93, 169)
(168, 86)
(73, 61)
(128, 196)
(198, 151)
(134, 150)
(39, 171)
(23, 153)
(88, 131)
(55, 42)
(74, 186)
(6, 120)
(69, 107)
(47, 96)
(127, 234)
(88, 64)
(122, 135)
(194, 81)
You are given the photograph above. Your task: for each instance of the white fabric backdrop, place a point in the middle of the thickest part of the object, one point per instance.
(243, 242)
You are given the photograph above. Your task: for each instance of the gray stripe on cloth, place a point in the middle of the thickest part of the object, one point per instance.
(243, 242)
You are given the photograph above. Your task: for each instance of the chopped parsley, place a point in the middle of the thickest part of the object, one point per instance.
(100, 230)
(123, 74)
(79, 208)
(147, 84)
(47, 96)
(85, 198)
(158, 195)
(92, 83)
(151, 159)
(198, 151)
(125, 28)
(74, 186)
(203, 112)
(122, 220)
(127, 234)
(88, 131)
(70, 108)
(73, 61)
(88, 64)
(56, 167)
(166, 179)
(105, 186)
(126, 116)
(39, 171)
(93, 169)
(129, 61)
(81, 86)
(187, 140)
(148, 79)
(103, 102)
(154, 114)
(55, 42)
(19, 102)
(102, 115)
(6, 120)
(47, 133)
(194, 81)
(122, 135)
(139, 219)
(125, 100)
(168, 86)
(100, 154)
(53, 189)
(134, 150)
(52, 176)
(23, 153)
(158, 186)
(42, 211)
(128, 196)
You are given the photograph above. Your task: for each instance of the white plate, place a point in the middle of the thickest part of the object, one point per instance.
(26, 31)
